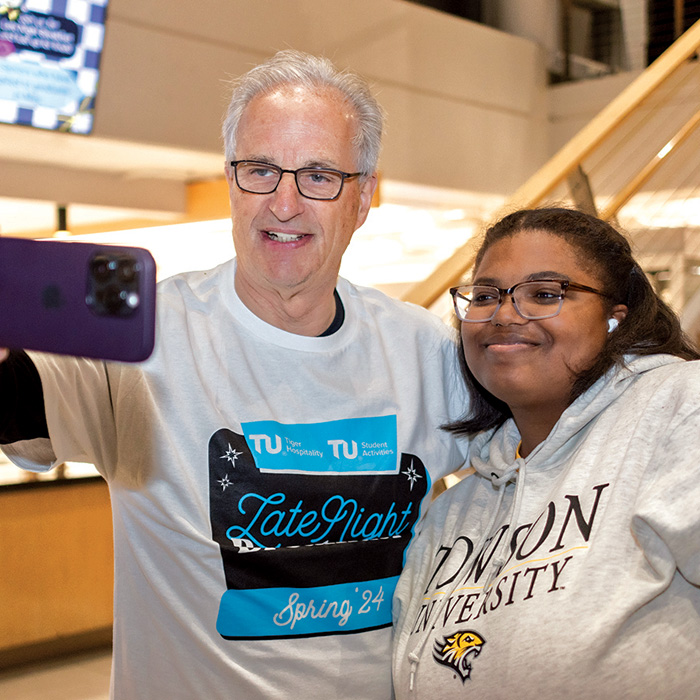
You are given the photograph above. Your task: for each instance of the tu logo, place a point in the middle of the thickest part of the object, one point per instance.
(347, 453)
(258, 439)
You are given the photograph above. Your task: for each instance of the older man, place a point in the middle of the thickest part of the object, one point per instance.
(267, 464)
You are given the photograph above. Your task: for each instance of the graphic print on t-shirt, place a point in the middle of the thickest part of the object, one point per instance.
(312, 521)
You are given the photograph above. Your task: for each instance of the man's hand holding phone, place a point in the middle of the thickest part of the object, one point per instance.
(77, 298)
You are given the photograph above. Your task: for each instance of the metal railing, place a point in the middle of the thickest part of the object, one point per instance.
(617, 165)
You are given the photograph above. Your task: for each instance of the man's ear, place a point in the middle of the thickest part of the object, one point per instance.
(367, 189)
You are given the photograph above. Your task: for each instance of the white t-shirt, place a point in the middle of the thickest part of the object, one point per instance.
(264, 487)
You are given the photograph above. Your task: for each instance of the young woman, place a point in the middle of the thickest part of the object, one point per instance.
(567, 565)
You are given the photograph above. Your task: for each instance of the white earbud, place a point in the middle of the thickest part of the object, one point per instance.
(613, 323)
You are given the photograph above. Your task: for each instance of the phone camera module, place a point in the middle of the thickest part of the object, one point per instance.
(113, 284)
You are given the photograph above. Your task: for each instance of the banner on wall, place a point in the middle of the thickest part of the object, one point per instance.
(49, 62)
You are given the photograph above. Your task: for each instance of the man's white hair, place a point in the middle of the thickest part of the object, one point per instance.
(296, 68)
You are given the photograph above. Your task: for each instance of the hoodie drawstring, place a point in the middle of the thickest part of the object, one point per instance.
(516, 473)
(513, 473)
(414, 661)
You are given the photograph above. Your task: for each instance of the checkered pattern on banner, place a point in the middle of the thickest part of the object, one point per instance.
(83, 65)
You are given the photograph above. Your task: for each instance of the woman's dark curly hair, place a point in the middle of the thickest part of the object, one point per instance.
(650, 326)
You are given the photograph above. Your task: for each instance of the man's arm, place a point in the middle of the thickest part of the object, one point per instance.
(22, 413)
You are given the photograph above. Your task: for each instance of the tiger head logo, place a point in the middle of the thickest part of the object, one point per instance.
(457, 651)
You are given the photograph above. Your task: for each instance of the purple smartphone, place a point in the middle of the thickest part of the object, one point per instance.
(76, 298)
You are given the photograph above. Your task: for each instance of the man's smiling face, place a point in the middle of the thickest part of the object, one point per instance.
(284, 242)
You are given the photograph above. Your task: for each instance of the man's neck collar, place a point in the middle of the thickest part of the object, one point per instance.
(305, 313)
(338, 318)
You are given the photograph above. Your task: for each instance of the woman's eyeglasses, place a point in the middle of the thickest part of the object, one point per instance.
(477, 303)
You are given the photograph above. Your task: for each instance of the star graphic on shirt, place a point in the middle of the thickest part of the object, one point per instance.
(231, 454)
(412, 475)
(225, 482)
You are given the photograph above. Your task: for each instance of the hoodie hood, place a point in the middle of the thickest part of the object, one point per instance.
(493, 453)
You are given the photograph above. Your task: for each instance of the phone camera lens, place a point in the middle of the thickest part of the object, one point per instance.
(126, 270)
(101, 268)
(112, 299)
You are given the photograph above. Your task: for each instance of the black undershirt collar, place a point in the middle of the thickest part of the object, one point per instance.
(339, 317)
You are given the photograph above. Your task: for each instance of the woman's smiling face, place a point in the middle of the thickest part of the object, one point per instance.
(532, 365)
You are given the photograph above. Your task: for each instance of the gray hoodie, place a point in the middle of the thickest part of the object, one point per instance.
(574, 572)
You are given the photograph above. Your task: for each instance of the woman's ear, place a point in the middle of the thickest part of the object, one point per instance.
(619, 312)
(617, 316)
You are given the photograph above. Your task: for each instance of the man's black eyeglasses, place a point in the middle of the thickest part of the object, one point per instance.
(314, 183)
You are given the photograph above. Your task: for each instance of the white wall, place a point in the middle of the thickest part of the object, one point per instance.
(572, 105)
(635, 21)
(467, 105)
(537, 20)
